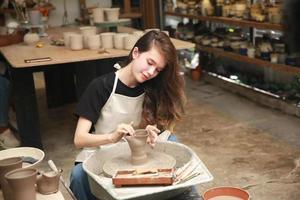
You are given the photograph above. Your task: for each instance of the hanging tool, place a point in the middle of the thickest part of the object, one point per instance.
(65, 16)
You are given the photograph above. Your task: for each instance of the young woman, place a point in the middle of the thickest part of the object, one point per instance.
(146, 93)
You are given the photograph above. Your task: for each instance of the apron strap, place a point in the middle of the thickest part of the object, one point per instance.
(115, 82)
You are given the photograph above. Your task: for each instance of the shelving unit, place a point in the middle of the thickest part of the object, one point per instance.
(250, 91)
(236, 56)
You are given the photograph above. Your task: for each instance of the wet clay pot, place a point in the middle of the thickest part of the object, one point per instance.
(137, 144)
(7, 165)
(22, 183)
(48, 182)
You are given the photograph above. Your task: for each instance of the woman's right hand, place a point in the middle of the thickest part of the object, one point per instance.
(121, 131)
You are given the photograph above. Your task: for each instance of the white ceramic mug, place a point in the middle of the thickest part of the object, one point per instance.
(76, 41)
(98, 15)
(93, 42)
(86, 31)
(107, 40)
(112, 14)
(119, 40)
(129, 41)
(66, 36)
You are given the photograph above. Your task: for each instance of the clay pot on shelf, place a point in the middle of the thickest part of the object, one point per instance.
(206, 8)
(137, 144)
(112, 14)
(274, 57)
(251, 52)
(22, 183)
(7, 165)
(98, 15)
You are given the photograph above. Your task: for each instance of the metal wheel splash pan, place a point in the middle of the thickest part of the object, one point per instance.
(103, 188)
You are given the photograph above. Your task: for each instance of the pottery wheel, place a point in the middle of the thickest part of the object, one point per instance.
(123, 162)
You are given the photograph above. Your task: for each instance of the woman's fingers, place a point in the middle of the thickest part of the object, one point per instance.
(152, 131)
(127, 128)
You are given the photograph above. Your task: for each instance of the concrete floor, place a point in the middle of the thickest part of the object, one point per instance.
(242, 143)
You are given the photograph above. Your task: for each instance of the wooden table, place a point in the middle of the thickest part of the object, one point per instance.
(61, 57)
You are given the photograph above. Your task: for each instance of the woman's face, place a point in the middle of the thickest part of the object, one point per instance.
(147, 65)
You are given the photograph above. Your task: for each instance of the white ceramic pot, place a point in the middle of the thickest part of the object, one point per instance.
(87, 31)
(31, 38)
(93, 41)
(129, 41)
(76, 42)
(274, 57)
(119, 40)
(98, 15)
(66, 36)
(251, 52)
(112, 14)
(107, 40)
(206, 7)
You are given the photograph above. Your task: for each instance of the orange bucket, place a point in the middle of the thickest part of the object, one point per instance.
(226, 193)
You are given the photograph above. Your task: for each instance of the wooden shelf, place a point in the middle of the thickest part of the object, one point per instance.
(246, 59)
(232, 21)
(131, 15)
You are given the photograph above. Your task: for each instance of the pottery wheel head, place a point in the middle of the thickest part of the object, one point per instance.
(123, 162)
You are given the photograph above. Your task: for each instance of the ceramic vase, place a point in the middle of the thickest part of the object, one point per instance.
(7, 165)
(31, 38)
(48, 182)
(22, 183)
(137, 144)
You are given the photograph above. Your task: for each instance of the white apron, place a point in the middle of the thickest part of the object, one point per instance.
(117, 109)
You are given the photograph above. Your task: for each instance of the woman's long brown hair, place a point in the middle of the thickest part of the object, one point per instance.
(164, 94)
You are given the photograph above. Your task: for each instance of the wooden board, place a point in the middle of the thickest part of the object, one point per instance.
(147, 177)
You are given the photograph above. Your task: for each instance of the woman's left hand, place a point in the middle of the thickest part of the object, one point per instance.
(153, 134)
